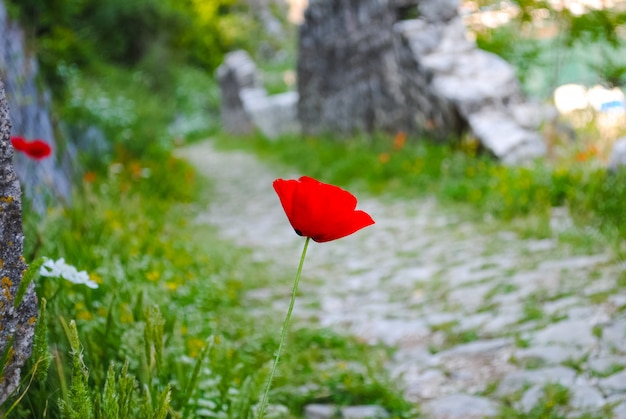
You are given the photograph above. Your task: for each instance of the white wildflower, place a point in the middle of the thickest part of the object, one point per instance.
(60, 269)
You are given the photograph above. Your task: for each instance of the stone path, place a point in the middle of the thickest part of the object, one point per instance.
(477, 319)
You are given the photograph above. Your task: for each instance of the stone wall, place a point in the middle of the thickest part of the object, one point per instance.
(392, 65)
(49, 179)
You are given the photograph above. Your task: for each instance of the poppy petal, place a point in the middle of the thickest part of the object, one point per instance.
(285, 189)
(36, 149)
(357, 221)
(319, 210)
(19, 143)
(308, 207)
(333, 210)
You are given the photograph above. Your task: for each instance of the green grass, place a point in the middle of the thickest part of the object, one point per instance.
(168, 331)
(552, 404)
(169, 303)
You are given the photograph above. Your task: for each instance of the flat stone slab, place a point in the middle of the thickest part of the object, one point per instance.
(619, 412)
(364, 412)
(582, 398)
(326, 411)
(615, 383)
(479, 347)
(273, 115)
(603, 365)
(567, 333)
(460, 406)
(320, 411)
(504, 137)
(518, 380)
(544, 355)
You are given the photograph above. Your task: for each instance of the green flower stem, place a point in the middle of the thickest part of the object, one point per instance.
(283, 333)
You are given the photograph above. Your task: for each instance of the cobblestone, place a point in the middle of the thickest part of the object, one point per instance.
(466, 310)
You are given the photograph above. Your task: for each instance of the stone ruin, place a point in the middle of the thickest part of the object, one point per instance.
(393, 65)
(245, 104)
(356, 74)
(407, 65)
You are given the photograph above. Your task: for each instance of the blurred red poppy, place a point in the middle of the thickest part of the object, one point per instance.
(19, 143)
(35, 149)
(320, 211)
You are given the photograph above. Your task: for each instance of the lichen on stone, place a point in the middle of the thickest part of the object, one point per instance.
(16, 325)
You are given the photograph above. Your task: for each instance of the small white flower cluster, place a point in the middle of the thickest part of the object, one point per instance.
(60, 269)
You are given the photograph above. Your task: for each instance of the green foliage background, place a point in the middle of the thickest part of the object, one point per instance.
(124, 32)
(591, 42)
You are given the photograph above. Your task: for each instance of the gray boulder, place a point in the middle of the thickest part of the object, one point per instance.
(236, 75)
(481, 86)
(273, 115)
(245, 104)
(438, 10)
(461, 406)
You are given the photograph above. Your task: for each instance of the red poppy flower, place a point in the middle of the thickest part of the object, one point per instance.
(35, 149)
(320, 211)
(19, 143)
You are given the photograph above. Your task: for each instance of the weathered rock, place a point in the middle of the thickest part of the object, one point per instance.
(503, 136)
(614, 336)
(569, 333)
(501, 322)
(574, 262)
(585, 397)
(479, 347)
(481, 86)
(273, 115)
(616, 383)
(438, 10)
(460, 406)
(473, 79)
(544, 355)
(348, 76)
(326, 411)
(619, 412)
(360, 69)
(320, 411)
(245, 104)
(364, 412)
(17, 324)
(603, 366)
(582, 398)
(519, 379)
(425, 385)
(236, 75)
